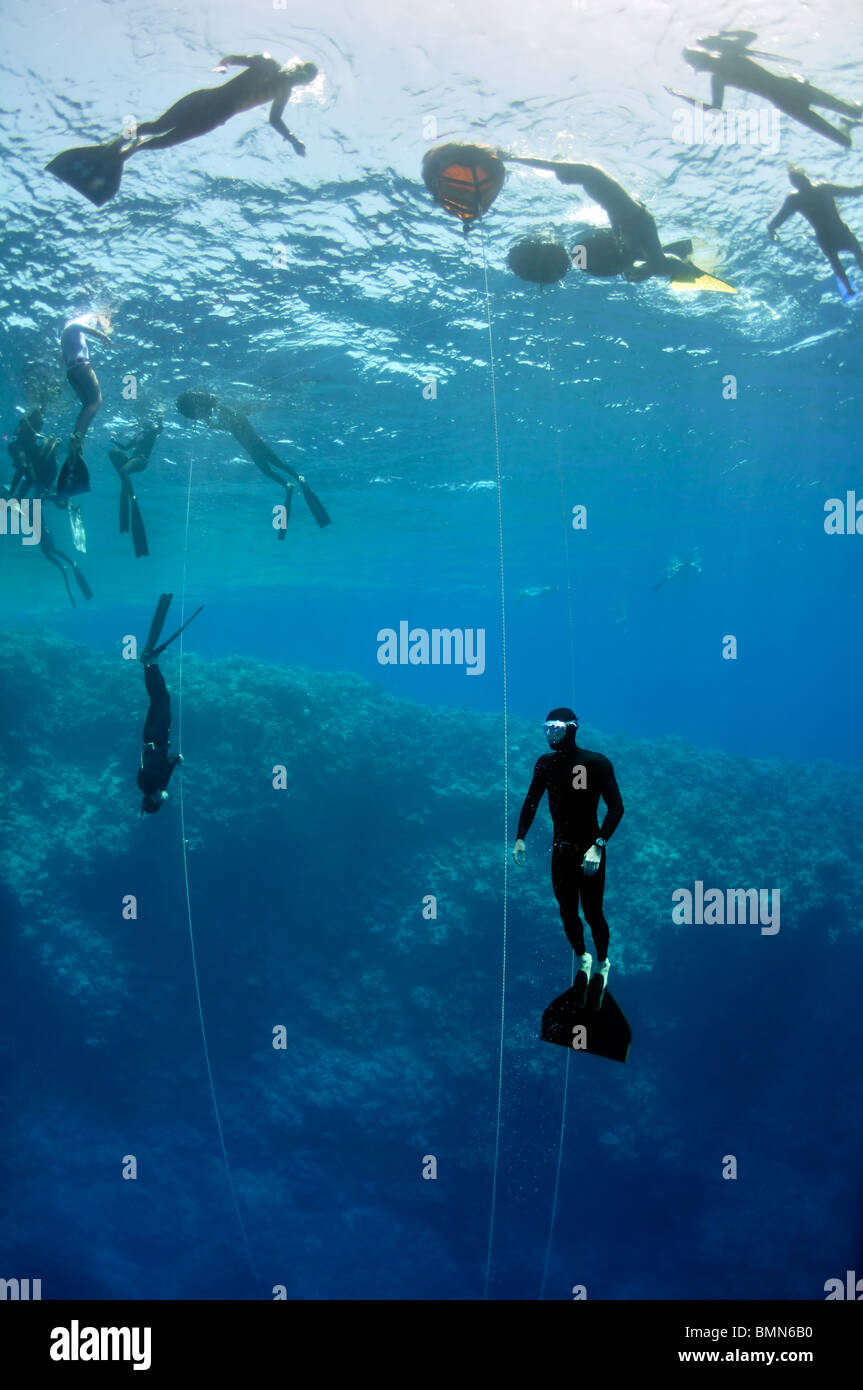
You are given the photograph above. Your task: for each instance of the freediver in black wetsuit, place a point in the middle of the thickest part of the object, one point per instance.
(726, 57)
(128, 458)
(575, 779)
(632, 248)
(34, 457)
(814, 201)
(203, 405)
(157, 764)
(96, 170)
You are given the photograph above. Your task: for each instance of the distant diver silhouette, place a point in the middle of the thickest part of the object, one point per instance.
(727, 56)
(678, 568)
(157, 764)
(814, 201)
(204, 406)
(128, 458)
(62, 562)
(96, 170)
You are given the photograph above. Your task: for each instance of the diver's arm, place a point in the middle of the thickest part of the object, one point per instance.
(610, 794)
(278, 124)
(717, 92)
(838, 190)
(788, 209)
(237, 60)
(531, 802)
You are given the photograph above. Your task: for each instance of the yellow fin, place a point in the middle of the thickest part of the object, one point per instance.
(704, 282)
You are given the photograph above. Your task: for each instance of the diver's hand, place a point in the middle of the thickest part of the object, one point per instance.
(298, 146)
(592, 860)
(518, 852)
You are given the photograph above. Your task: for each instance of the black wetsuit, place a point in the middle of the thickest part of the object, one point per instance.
(33, 456)
(816, 204)
(576, 827)
(157, 763)
(263, 80)
(793, 95)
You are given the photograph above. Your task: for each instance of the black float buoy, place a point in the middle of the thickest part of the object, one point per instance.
(538, 260)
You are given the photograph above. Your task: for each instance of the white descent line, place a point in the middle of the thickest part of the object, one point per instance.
(505, 770)
(566, 540)
(230, 1175)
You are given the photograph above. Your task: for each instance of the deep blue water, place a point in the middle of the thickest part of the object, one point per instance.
(306, 909)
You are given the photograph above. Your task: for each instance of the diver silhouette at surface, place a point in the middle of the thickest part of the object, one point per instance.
(727, 56)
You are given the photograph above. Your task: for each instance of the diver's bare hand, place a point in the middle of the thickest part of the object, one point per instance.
(518, 852)
(591, 861)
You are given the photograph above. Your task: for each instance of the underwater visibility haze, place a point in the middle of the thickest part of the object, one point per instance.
(285, 1034)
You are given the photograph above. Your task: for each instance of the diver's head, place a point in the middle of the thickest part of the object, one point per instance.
(152, 803)
(196, 405)
(600, 253)
(698, 59)
(560, 727)
(301, 73)
(798, 179)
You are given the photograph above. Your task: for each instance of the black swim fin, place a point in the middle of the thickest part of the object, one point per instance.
(314, 504)
(161, 613)
(118, 459)
(139, 534)
(158, 622)
(94, 170)
(74, 476)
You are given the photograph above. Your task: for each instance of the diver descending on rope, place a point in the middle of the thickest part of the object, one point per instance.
(157, 764)
(203, 405)
(575, 779)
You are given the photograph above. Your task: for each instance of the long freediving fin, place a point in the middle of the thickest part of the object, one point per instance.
(93, 170)
(79, 535)
(119, 459)
(139, 534)
(157, 651)
(313, 502)
(158, 622)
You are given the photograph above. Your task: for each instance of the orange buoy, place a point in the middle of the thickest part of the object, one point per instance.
(464, 179)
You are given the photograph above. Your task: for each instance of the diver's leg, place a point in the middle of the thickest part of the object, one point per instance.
(565, 862)
(85, 384)
(818, 124)
(157, 728)
(837, 267)
(815, 97)
(193, 115)
(592, 888)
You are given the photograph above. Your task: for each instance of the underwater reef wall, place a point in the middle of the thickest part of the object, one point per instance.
(307, 905)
